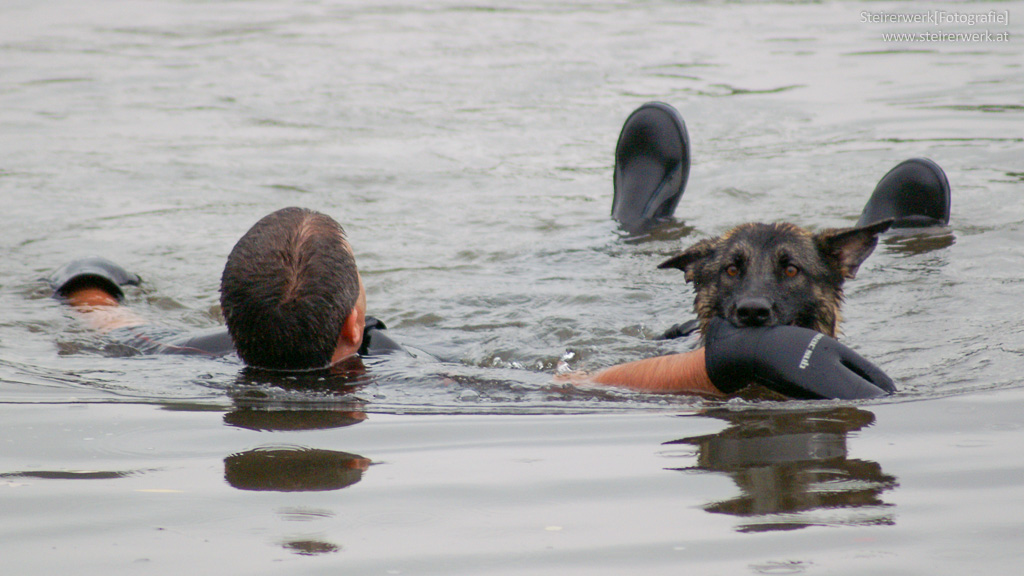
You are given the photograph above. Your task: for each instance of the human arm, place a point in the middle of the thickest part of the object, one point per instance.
(100, 310)
(793, 361)
(92, 287)
(675, 373)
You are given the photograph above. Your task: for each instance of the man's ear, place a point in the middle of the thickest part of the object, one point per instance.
(691, 260)
(352, 329)
(351, 337)
(847, 248)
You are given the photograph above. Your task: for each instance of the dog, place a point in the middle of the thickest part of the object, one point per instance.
(776, 274)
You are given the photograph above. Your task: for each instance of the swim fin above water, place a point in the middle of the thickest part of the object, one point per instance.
(915, 193)
(91, 271)
(652, 164)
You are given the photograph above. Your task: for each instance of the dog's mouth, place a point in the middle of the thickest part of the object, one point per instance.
(761, 313)
(753, 313)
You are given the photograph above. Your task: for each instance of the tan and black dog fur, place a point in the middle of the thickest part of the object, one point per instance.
(776, 274)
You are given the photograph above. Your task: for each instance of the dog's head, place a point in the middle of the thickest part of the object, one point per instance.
(776, 274)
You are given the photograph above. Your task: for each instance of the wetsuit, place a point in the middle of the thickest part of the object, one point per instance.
(150, 339)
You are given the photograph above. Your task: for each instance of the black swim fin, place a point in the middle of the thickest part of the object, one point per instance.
(915, 193)
(652, 165)
(91, 271)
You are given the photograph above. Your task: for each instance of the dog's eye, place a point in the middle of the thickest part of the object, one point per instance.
(791, 271)
(733, 270)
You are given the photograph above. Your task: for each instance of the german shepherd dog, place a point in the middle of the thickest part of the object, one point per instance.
(776, 274)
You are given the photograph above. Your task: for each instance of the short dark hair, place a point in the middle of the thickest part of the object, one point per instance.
(288, 286)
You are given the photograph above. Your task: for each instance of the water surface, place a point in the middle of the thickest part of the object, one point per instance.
(467, 149)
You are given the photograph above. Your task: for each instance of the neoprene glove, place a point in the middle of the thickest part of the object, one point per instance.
(797, 362)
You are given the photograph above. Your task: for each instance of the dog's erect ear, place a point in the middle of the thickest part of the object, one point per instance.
(691, 259)
(847, 248)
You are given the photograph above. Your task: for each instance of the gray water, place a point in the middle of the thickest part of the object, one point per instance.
(467, 149)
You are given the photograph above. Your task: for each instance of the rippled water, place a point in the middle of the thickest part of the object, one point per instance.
(467, 148)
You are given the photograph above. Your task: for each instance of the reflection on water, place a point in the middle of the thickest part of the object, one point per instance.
(292, 419)
(310, 547)
(668, 231)
(912, 242)
(293, 469)
(789, 464)
(339, 377)
(68, 474)
(311, 400)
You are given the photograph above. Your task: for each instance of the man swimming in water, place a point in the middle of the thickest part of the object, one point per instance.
(291, 295)
(293, 299)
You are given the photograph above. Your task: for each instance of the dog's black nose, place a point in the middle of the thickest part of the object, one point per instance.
(754, 311)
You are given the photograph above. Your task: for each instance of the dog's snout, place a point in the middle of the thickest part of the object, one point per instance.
(754, 312)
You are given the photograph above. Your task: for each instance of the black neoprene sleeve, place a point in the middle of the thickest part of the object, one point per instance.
(797, 362)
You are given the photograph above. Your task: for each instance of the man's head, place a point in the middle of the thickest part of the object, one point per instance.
(291, 294)
(776, 274)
